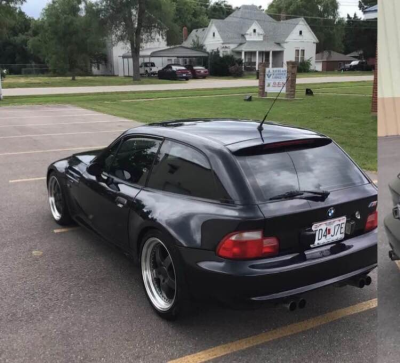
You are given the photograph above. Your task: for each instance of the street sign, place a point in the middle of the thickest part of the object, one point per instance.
(275, 78)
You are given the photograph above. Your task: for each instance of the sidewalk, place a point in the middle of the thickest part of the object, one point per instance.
(193, 84)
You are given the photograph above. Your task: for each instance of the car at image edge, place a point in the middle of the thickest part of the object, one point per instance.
(220, 209)
(392, 221)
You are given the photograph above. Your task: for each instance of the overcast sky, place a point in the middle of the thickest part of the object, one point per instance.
(34, 7)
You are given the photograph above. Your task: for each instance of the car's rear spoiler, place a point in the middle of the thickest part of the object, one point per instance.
(256, 146)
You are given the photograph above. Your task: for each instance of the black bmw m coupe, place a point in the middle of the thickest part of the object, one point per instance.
(224, 209)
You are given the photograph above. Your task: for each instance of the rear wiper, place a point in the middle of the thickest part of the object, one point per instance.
(297, 193)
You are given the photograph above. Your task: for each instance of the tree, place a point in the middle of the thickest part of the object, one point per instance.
(363, 4)
(135, 22)
(360, 35)
(7, 14)
(14, 46)
(321, 15)
(187, 13)
(69, 35)
(219, 10)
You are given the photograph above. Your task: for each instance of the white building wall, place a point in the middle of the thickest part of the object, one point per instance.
(290, 51)
(318, 66)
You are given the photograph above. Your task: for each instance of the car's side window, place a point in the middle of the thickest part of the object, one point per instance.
(134, 160)
(183, 170)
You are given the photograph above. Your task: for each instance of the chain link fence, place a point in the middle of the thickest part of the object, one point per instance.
(25, 69)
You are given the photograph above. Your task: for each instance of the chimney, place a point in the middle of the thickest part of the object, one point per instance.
(283, 16)
(185, 33)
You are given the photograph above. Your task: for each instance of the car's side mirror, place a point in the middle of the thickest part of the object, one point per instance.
(95, 169)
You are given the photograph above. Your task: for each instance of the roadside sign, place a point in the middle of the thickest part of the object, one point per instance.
(275, 78)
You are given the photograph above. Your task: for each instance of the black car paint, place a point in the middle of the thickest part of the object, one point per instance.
(392, 224)
(197, 225)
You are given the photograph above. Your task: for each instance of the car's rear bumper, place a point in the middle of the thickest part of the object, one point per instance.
(279, 277)
(392, 228)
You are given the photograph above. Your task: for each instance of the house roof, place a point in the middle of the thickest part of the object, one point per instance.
(356, 53)
(232, 30)
(332, 56)
(194, 35)
(253, 46)
(176, 51)
(371, 9)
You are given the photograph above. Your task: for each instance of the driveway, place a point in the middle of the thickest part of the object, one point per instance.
(179, 85)
(66, 296)
(389, 271)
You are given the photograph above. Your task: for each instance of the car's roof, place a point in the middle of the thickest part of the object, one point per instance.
(232, 133)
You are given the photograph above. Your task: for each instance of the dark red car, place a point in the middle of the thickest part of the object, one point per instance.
(198, 71)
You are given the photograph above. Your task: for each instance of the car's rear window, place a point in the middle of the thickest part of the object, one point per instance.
(319, 168)
(149, 65)
(200, 68)
(177, 68)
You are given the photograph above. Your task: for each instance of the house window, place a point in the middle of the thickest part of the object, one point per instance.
(302, 55)
(297, 56)
(300, 32)
(254, 31)
(213, 34)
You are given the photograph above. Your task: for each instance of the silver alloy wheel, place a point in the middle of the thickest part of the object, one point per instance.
(158, 274)
(55, 198)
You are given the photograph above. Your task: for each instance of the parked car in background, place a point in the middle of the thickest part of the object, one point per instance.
(198, 71)
(392, 221)
(148, 69)
(221, 209)
(174, 72)
(357, 65)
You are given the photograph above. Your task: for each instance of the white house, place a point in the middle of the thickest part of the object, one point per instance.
(249, 33)
(114, 65)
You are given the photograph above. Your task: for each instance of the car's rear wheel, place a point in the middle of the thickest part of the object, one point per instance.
(57, 201)
(162, 280)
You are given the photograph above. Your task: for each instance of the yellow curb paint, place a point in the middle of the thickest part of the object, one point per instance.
(52, 150)
(26, 180)
(279, 333)
(37, 253)
(63, 230)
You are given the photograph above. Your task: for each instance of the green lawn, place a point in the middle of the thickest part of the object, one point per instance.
(347, 119)
(48, 81)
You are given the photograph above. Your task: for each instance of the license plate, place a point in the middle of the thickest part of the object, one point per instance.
(329, 231)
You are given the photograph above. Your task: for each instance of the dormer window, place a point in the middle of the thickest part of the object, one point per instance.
(300, 32)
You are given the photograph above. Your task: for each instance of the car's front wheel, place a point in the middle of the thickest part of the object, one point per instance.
(162, 279)
(57, 201)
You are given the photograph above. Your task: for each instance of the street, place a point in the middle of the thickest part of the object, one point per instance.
(179, 85)
(66, 296)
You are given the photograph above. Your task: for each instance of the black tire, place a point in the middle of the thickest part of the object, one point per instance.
(149, 249)
(58, 204)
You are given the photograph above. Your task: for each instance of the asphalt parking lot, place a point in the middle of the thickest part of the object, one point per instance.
(66, 296)
(389, 272)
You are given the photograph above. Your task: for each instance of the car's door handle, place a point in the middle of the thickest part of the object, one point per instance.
(121, 202)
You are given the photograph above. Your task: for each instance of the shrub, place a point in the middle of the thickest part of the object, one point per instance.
(219, 66)
(236, 71)
(304, 66)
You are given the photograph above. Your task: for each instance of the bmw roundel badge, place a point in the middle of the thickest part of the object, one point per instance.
(331, 212)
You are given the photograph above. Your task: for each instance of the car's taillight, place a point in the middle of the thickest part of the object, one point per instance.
(247, 245)
(372, 222)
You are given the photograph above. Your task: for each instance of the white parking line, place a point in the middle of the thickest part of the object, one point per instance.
(52, 116)
(68, 123)
(61, 134)
(53, 150)
(63, 230)
(26, 180)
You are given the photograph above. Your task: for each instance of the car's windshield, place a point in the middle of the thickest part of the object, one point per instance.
(354, 63)
(324, 168)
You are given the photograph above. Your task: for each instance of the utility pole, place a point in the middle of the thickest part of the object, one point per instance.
(1, 89)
